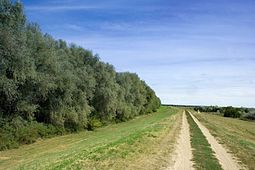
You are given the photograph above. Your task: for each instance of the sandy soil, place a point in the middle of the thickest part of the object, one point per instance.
(226, 160)
(183, 152)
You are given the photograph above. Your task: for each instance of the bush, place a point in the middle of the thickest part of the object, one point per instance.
(207, 108)
(18, 131)
(249, 115)
(232, 112)
(94, 123)
(243, 113)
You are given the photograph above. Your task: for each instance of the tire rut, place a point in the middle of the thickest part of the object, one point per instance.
(183, 152)
(226, 160)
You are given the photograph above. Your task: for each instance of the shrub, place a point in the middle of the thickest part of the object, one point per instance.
(94, 123)
(19, 131)
(232, 112)
(249, 115)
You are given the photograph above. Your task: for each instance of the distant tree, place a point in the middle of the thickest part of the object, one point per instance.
(232, 112)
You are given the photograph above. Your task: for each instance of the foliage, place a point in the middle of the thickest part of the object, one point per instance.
(48, 81)
(229, 111)
(250, 115)
(207, 108)
(19, 131)
(232, 112)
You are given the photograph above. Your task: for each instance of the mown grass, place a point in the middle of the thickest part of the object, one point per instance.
(237, 135)
(143, 143)
(203, 155)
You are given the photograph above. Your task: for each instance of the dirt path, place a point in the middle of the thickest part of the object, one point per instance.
(182, 159)
(225, 159)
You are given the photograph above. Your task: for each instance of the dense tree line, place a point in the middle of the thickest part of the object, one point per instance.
(61, 86)
(234, 112)
(207, 108)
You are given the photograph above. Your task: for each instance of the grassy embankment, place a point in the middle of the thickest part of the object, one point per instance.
(143, 143)
(237, 135)
(202, 153)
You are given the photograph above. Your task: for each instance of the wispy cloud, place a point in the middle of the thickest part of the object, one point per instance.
(189, 51)
(56, 8)
(74, 27)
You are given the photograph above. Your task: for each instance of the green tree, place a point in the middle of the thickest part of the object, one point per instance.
(65, 86)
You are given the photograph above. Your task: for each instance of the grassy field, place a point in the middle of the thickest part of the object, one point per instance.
(237, 135)
(143, 143)
(202, 153)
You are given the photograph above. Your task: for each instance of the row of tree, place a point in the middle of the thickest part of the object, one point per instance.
(234, 112)
(49, 81)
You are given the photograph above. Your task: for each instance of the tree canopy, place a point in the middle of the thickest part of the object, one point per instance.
(49, 81)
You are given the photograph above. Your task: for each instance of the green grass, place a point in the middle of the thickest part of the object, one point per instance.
(237, 135)
(145, 141)
(203, 155)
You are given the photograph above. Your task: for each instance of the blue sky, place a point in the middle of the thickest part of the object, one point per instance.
(188, 51)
